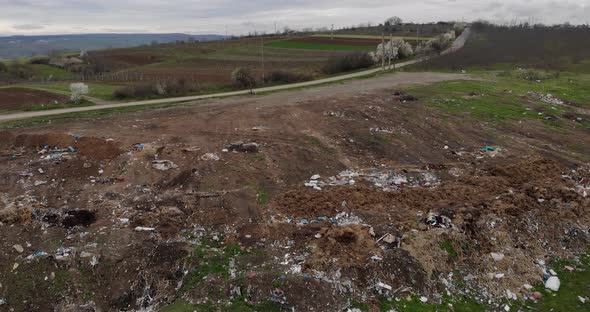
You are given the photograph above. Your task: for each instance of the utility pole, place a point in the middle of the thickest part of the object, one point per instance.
(262, 46)
(332, 36)
(382, 50)
(275, 28)
(391, 48)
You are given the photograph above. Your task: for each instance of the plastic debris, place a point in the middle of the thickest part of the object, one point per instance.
(384, 286)
(278, 296)
(553, 283)
(144, 229)
(18, 248)
(163, 165)
(242, 147)
(210, 156)
(497, 256)
(440, 221)
(423, 299)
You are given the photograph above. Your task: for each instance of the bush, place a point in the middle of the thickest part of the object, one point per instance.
(536, 75)
(281, 76)
(3, 67)
(43, 60)
(134, 91)
(169, 87)
(243, 77)
(348, 62)
(17, 70)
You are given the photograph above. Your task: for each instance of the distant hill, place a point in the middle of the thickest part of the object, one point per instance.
(26, 46)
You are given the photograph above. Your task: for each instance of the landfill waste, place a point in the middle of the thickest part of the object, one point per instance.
(437, 220)
(497, 256)
(491, 149)
(278, 296)
(18, 248)
(547, 98)
(553, 283)
(163, 165)
(242, 147)
(384, 179)
(210, 157)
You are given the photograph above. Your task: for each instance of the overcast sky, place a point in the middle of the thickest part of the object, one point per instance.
(28, 17)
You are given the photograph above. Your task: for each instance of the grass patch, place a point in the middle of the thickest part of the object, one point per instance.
(61, 118)
(447, 246)
(262, 197)
(504, 97)
(82, 103)
(209, 258)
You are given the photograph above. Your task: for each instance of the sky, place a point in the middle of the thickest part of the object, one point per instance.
(35, 17)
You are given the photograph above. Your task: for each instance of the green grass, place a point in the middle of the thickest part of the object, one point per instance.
(44, 72)
(502, 97)
(573, 284)
(98, 90)
(447, 246)
(61, 118)
(82, 103)
(236, 305)
(317, 46)
(210, 259)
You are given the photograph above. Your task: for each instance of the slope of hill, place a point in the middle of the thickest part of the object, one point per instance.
(25, 46)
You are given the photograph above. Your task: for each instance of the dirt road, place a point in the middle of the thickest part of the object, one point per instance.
(348, 87)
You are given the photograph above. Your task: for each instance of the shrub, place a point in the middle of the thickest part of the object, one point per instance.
(168, 87)
(394, 49)
(17, 70)
(243, 77)
(348, 62)
(3, 67)
(134, 91)
(78, 90)
(44, 60)
(281, 76)
(536, 75)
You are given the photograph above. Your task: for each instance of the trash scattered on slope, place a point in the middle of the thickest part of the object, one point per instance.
(553, 283)
(242, 147)
(437, 220)
(210, 156)
(163, 165)
(547, 98)
(384, 179)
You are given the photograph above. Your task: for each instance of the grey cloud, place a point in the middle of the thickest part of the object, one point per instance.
(240, 16)
(28, 27)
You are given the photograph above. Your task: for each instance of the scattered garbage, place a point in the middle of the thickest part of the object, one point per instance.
(163, 165)
(144, 229)
(278, 296)
(241, 147)
(18, 248)
(547, 98)
(210, 157)
(384, 286)
(384, 179)
(497, 256)
(491, 149)
(437, 220)
(553, 283)
(404, 97)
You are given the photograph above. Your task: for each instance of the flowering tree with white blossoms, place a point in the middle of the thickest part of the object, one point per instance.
(78, 91)
(394, 49)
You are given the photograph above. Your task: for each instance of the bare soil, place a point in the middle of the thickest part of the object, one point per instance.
(21, 99)
(102, 229)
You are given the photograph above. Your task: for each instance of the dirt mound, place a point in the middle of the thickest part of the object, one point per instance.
(97, 148)
(60, 140)
(90, 147)
(344, 247)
